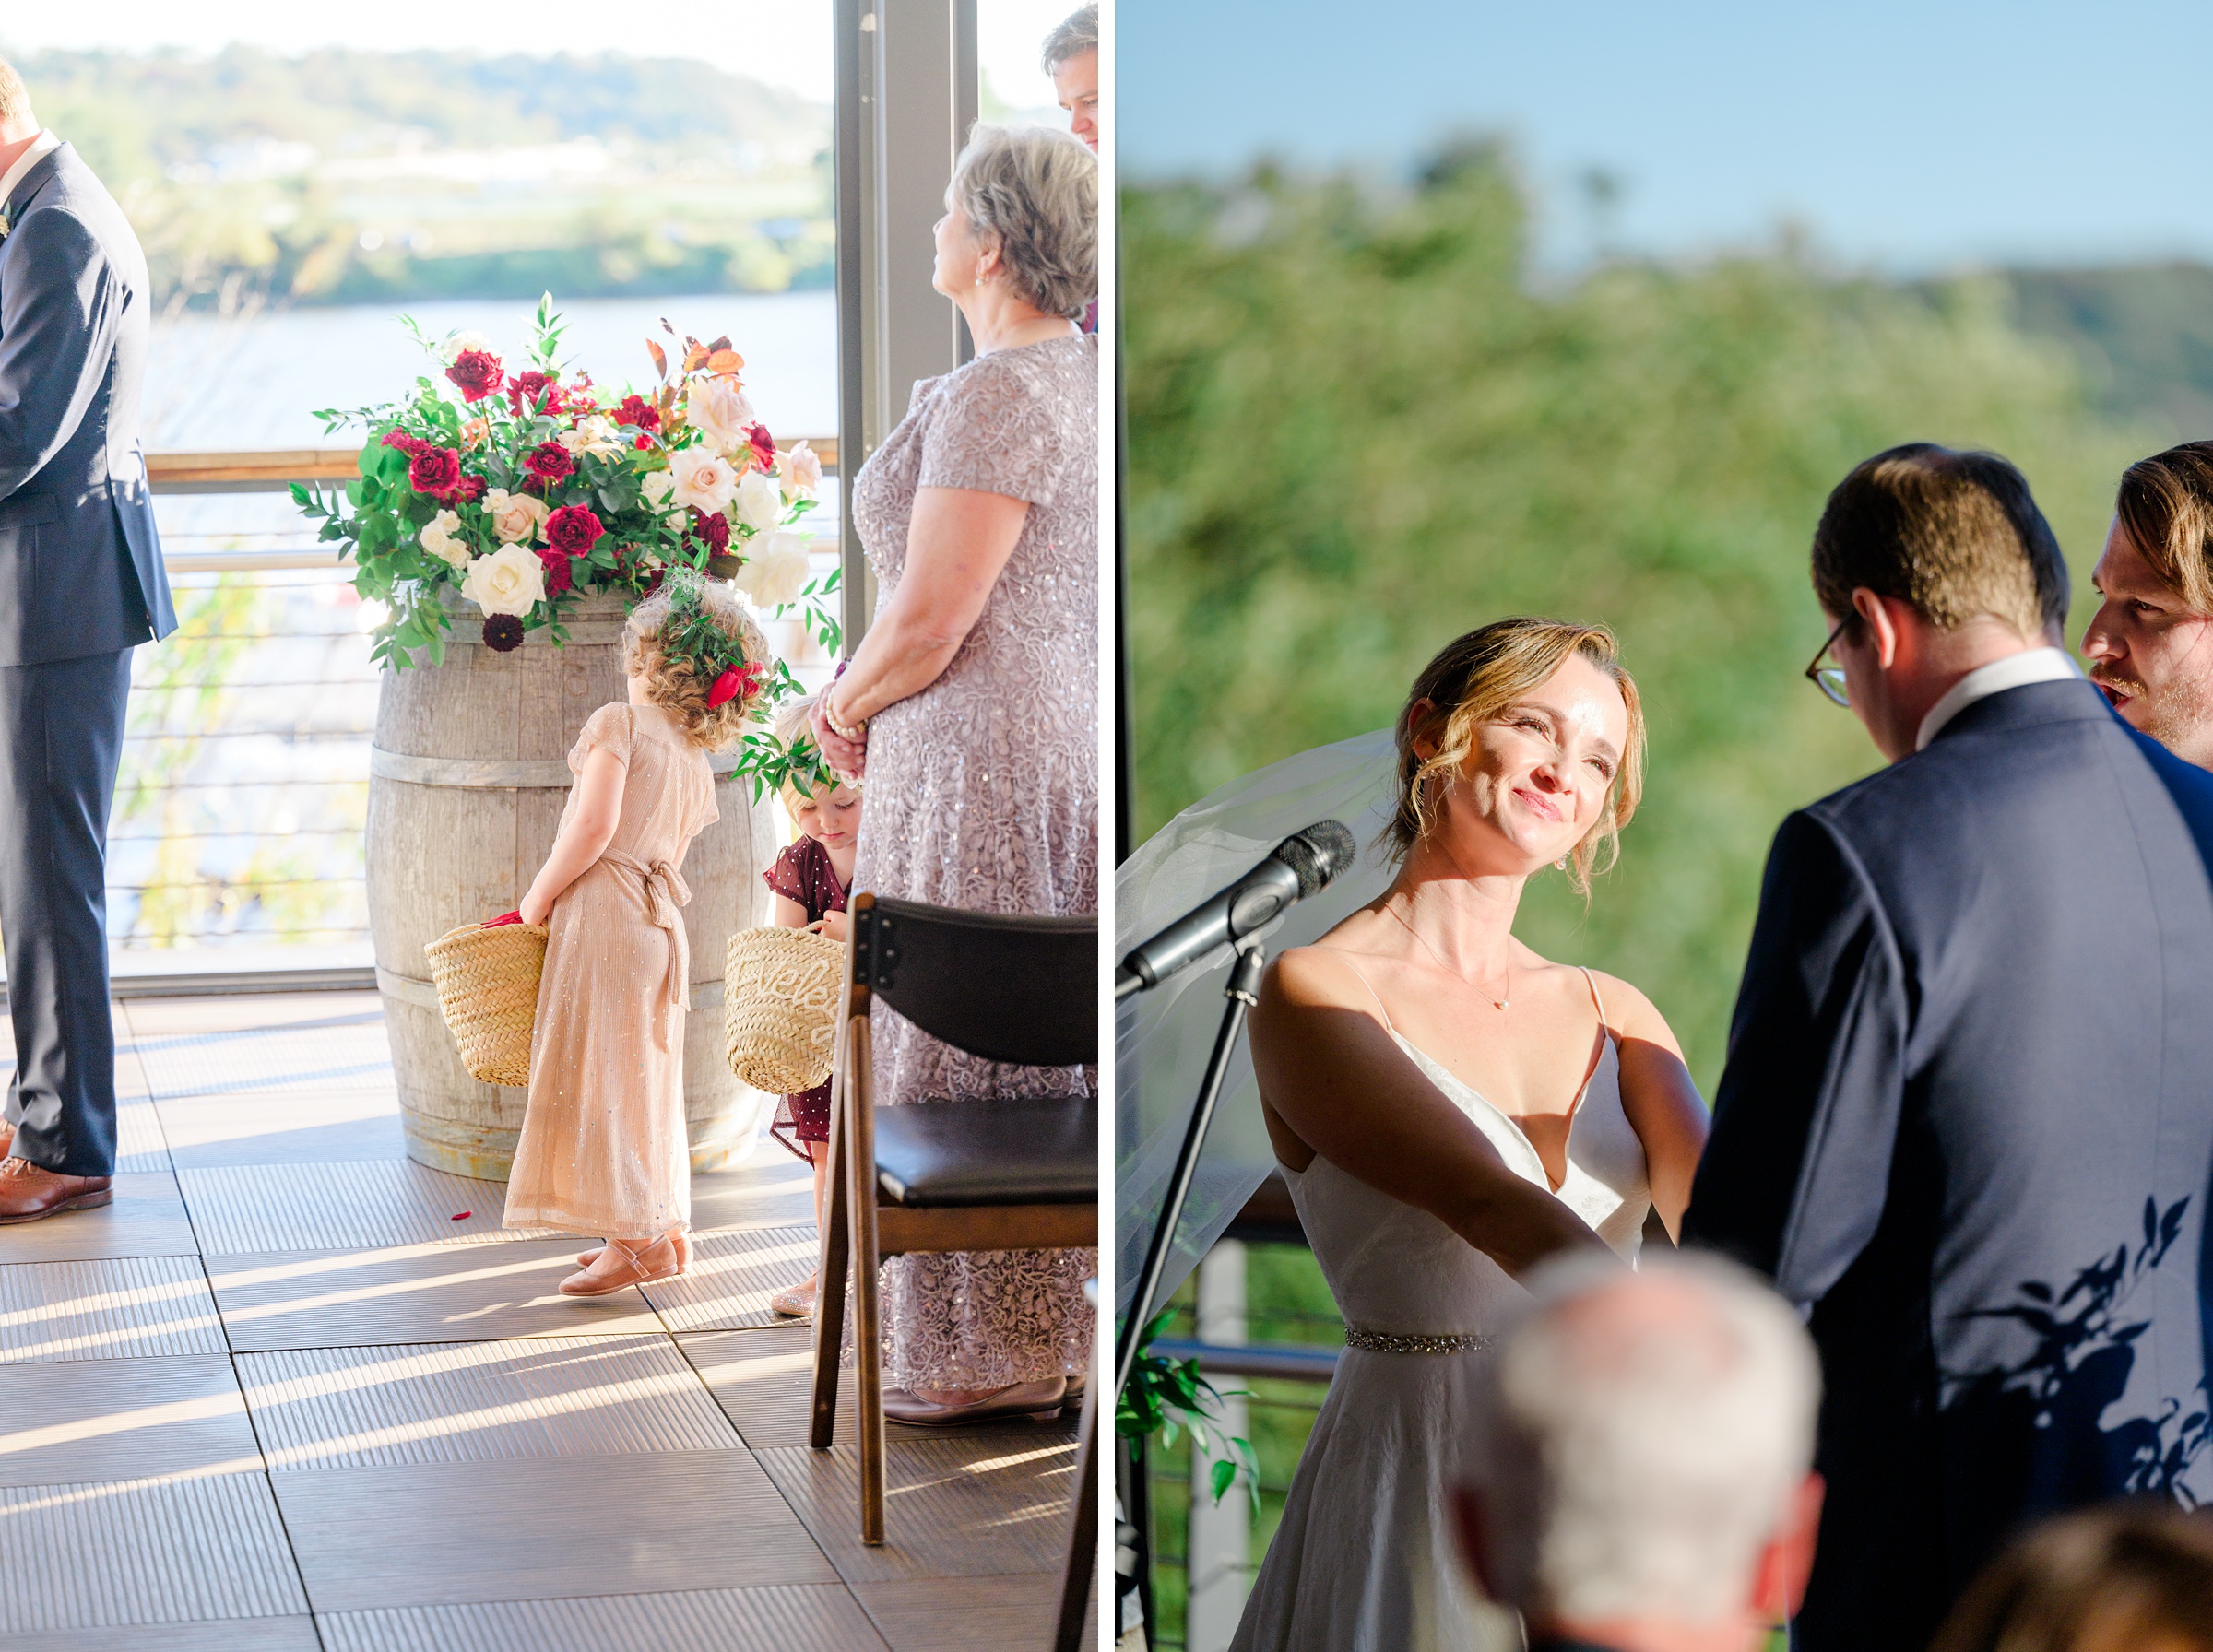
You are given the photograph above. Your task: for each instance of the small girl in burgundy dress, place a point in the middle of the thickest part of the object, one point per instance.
(810, 881)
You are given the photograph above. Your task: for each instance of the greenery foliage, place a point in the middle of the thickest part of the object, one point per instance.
(1357, 430)
(346, 175)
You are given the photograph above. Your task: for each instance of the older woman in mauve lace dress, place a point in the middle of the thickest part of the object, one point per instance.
(972, 709)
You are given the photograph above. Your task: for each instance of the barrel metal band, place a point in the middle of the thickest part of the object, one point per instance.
(475, 773)
(423, 995)
(1387, 1342)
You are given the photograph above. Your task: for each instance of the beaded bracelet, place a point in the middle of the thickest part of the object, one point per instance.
(856, 732)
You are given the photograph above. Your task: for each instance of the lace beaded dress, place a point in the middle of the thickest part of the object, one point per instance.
(803, 875)
(983, 794)
(603, 1149)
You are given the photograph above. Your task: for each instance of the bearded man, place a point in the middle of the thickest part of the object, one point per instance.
(2150, 644)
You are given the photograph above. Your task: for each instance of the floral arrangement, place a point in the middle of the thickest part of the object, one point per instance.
(527, 490)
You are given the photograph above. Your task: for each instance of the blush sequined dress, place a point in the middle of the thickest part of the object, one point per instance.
(984, 794)
(603, 1148)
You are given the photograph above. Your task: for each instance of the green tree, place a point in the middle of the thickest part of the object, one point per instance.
(1358, 428)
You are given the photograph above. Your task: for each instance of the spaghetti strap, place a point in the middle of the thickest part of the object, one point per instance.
(1591, 982)
(1365, 982)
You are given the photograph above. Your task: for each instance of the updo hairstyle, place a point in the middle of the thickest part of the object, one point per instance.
(1034, 191)
(1474, 677)
(670, 682)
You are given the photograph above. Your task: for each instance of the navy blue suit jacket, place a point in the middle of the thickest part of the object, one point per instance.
(1966, 1120)
(80, 566)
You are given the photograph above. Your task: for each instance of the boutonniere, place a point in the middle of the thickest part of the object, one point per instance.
(7, 221)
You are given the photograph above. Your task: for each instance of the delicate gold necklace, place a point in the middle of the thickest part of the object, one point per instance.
(1497, 1003)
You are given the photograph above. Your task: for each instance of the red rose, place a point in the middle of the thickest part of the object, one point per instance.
(726, 687)
(407, 444)
(639, 413)
(644, 442)
(469, 489)
(477, 372)
(765, 445)
(525, 388)
(714, 529)
(434, 471)
(557, 575)
(549, 462)
(573, 530)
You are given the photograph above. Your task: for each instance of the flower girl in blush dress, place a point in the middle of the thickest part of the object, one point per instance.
(603, 1149)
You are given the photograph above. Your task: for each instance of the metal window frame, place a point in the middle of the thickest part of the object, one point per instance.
(908, 91)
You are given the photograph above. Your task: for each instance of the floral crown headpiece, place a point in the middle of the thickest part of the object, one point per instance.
(696, 637)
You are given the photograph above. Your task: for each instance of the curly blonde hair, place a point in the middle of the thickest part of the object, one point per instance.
(670, 682)
(1475, 677)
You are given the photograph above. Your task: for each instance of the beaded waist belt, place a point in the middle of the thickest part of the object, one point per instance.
(1386, 1342)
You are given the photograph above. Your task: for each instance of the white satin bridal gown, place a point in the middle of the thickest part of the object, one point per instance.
(1365, 1560)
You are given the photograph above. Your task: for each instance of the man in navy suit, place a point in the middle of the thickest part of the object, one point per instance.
(81, 585)
(1967, 1118)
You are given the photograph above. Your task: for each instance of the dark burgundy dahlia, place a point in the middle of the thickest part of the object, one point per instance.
(502, 633)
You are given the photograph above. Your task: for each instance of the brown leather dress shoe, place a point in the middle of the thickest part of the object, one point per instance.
(28, 1192)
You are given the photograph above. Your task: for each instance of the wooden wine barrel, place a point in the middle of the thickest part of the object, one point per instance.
(468, 777)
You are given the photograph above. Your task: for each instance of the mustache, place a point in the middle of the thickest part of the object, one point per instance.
(2106, 677)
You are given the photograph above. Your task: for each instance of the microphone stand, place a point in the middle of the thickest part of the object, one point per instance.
(1241, 993)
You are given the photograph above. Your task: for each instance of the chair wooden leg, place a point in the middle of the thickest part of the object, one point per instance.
(867, 1324)
(1084, 1530)
(830, 1286)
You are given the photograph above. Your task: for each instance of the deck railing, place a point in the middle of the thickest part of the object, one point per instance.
(237, 838)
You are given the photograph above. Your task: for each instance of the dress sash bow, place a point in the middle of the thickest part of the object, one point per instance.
(665, 893)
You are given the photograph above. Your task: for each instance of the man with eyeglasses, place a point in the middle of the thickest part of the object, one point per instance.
(1967, 1119)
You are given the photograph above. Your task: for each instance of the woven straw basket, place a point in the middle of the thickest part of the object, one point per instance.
(779, 1018)
(488, 992)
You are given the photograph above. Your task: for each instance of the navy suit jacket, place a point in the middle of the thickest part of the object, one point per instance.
(80, 565)
(1966, 1121)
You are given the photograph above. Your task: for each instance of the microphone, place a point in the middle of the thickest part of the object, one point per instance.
(1302, 865)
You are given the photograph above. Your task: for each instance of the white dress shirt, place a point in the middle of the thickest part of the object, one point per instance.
(41, 146)
(2016, 670)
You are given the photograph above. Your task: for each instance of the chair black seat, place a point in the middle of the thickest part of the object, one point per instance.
(991, 1150)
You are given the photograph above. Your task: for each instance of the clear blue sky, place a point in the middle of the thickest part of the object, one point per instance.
(1908, 136)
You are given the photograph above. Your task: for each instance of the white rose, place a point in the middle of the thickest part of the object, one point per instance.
(456, 343)
(801, 471)
(760, 505)
(516, 518)
(718, 411)
(600, 436)
(510, 581)
(702, 479)
(442, 537)
(774, 571)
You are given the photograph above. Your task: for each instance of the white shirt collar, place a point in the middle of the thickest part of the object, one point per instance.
(41, 146)
(2016, 670)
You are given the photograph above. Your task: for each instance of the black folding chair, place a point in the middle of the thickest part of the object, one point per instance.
(996, 1173)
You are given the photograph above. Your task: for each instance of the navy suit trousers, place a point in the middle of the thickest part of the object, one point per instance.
(61, 738)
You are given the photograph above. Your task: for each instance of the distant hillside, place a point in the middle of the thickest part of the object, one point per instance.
(347, 175)
(2143, 335)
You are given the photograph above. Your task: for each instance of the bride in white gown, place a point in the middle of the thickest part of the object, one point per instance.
(1449, 1109)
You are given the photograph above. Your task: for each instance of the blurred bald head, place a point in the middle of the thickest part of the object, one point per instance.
(1645, 1442)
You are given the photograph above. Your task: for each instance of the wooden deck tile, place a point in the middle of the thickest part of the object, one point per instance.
(324, 1126)
(951, 1614)
(123, 1420)
(347, 1049)
(771, 1189)
(414, 1293)
(146, 1219)
(139, 1145)
(333, 1408)
(239, 1012)
(791, 1617)
(174, 1551)
(435, 1534)
(953, 1508)
(106, 1309)
(764, 1382)
(247, 1208)
(733, 1274)
(240, 1635)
